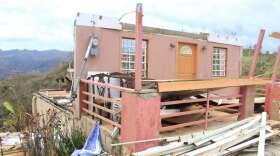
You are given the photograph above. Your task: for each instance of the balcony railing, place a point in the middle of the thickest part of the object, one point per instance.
(203, 111)
(101, 101)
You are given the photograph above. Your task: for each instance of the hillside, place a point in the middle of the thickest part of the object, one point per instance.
(13, 62)
(264, 63)
(20, 88)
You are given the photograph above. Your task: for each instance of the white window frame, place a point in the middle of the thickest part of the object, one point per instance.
(219, 62)
(128, 56)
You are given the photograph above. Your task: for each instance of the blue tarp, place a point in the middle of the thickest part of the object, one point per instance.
(92, 146)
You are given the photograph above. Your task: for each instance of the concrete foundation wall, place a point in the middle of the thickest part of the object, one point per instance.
(41, 106)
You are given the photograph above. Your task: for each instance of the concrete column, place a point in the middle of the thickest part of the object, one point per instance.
(140, 119)
(268, 99)
(272, 98)
(274, 114)
(247, 101)
(78, 103)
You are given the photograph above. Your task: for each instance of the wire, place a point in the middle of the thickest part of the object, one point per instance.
(125, 14)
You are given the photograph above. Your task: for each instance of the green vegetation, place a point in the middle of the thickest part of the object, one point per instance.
(43, 134)
(15, 120)
(18, 91)
(50, 136)
(264, 63)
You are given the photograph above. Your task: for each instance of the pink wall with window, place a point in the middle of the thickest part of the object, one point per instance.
(161, 56)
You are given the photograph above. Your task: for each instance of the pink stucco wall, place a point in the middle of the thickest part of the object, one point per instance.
(161, 57)
(109, 48)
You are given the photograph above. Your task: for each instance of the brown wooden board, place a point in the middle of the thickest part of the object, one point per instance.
(208, 84)
(275, 35)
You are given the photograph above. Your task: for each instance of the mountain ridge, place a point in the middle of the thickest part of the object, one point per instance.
(24, 61)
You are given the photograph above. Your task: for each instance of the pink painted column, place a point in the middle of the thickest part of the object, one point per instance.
(247, 101)
(207, 110)
(276, 66)
(256, 54)
(270, 88)
(268, 99)
(138, 48)
(82, 87)
(140, 119)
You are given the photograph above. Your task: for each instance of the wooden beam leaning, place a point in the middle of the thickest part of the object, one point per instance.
(256, 54)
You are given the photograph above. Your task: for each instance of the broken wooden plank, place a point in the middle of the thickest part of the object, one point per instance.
(229, 132)
(215, 146)
(212, 134)
(262, 135)
(218, 142)
(159, 149)
(245, 144)
(247, 136)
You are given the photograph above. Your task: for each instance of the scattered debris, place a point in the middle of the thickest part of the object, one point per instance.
(257, 100)
(224, 141)
(11, 143)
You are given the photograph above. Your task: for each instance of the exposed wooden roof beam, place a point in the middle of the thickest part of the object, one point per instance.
(275, 35)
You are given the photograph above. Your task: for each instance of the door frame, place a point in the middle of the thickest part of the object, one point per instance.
(195, 59)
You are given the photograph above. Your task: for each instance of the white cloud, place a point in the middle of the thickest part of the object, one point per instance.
(49, 23)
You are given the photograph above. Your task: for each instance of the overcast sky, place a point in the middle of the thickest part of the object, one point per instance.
(48, 24)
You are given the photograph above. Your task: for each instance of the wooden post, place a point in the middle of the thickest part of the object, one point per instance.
(276, 66)
(256, 54)
(247, 100)
(268, 99)
(207, 110)
(271, 90)
(82, 87)
(138, 48)
(272, 100)
(261, 145)
(274, 114)
(140, 119)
